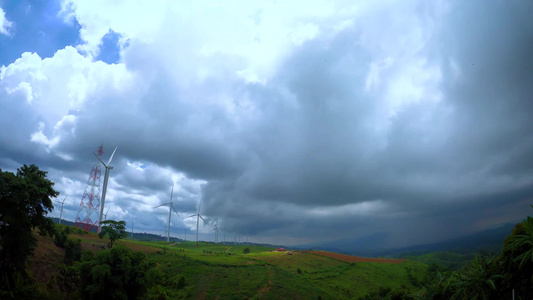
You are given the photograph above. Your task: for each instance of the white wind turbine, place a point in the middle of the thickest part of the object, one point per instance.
(61, 213)
(224, 234)
(170, 208)
(104, 189)
(198, 217)
(105, 215)
(215, 229)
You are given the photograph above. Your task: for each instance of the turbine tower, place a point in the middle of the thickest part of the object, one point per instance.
(61, 213)
(215, 229)
(198, 217)
(90, 201)
(108, 167)
(105, 215)
(170, 208)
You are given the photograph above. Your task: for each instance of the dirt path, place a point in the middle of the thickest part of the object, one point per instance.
(350, 258)
(266, 288)
(204, 291)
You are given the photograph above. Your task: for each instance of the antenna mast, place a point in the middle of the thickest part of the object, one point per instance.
(90, 201)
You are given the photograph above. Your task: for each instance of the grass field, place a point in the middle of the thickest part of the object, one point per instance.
(215, 271)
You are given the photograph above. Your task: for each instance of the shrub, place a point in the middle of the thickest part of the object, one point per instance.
(72, 251)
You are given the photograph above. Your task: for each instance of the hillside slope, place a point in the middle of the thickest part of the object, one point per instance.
(214, 271)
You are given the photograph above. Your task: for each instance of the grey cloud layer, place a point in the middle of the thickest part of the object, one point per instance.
(410, 120)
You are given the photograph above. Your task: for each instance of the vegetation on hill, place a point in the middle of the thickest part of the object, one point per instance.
(25, 199)
(491, 277)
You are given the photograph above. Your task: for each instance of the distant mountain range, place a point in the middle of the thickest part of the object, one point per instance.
(374, 245)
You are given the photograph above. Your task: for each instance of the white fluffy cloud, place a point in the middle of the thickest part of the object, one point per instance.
(5, 24)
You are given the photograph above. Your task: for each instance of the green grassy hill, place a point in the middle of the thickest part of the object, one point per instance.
(215, 271)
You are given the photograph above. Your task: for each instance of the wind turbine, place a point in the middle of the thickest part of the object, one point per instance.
(215, 229)
(108, 167)
(62, 203)
(224, 234)
(170, 208)
(198, 217)
(131, 237)
(105, 215)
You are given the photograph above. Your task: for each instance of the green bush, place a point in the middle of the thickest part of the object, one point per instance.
(72, 251)
(116, 273)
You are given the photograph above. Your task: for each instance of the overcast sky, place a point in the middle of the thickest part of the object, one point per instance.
(293, 122)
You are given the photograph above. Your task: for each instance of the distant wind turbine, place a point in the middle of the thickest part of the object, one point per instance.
(131, 237)
(105, 215)
(108, 167)
(224, 234)
(198, 217)
(215, 229)
(61, 213)
(170, 208)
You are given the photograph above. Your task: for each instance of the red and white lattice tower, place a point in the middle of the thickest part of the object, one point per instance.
(90, 201)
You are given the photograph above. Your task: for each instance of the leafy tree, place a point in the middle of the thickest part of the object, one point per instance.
(246, 250)
(524, 241)
(516, 264)
(476, 281)
(114, 230)
(116, 273)
(25, 200)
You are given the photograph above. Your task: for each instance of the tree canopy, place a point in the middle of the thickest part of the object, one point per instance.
(25, 200)
(114, 230)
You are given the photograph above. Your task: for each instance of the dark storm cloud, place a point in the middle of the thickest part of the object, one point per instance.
(412, 122)
(456, 162)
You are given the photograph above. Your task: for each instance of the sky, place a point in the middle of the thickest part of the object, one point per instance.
(291, 122)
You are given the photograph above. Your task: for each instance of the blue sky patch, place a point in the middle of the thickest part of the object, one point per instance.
(109, 50)
(36, 27)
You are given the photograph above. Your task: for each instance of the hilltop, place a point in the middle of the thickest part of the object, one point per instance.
(216, 271)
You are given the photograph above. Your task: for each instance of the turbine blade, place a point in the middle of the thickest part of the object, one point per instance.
(171, 192)
(174, 209)
(212, 230)
(111, 158)
(161, 205)
(202, 218)
(64, 199)
(190, 216)
(199, 206)
(100, 160)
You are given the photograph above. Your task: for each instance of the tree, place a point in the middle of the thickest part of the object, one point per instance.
(25, 200)
(523, 241)
(517, 261)
(477, 280)
(116, 273)
(114, 230)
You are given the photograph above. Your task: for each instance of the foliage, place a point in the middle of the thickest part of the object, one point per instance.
(72, 251)
(517, 272)
(114, 230)
(246, 250)
(116, 273)
(68, 281)
(475, 281)
(25, 200)
(524, 241)
(490, 277)
(61, 237)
